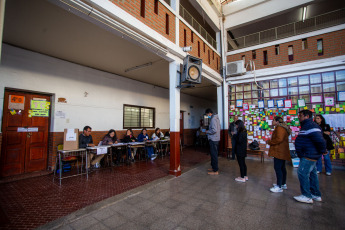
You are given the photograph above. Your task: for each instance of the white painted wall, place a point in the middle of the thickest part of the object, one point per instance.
(102, 109)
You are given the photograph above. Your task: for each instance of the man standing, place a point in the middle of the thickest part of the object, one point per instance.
(310, 146)
(232, 134)
(213, 134)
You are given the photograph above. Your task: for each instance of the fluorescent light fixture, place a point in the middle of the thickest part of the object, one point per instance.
(304, 13)
(138, 67)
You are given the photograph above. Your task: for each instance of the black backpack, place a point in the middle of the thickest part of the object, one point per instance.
(254, 146)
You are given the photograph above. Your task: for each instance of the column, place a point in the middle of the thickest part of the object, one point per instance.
(221, 117)
(175, 4)
(174, 105)
(218, 40)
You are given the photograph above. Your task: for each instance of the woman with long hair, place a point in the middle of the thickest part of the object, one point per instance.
(326, 131)
(279, 149)
(241, 150)
(110, 138)
(129, 137)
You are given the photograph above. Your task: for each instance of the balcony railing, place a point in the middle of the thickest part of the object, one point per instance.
(322, 21)
(189, 18)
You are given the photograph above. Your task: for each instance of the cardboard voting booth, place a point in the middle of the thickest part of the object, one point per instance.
(71, 139)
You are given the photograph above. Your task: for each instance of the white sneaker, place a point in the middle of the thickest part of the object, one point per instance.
(284, 186)
(303, 199)
(318, 172)
(240, 179)
(316, 198)
(276, 189)
(328, 173)
(154, 156)
(246, 178)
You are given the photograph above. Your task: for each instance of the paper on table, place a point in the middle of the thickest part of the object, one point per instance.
(102, 150)
(71, 135)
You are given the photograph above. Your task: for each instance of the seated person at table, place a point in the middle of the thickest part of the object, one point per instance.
(129, 137)
(110, 138)
(157, 134)
(144, 137)
(85, 140)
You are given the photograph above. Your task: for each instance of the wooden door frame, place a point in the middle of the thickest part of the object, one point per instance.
(182, 128)
(51, 95)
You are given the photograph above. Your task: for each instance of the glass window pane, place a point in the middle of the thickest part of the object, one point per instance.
(293, 91)
(306, 98)
(315, 78)
(247, 95)
(264, 84)
(265, 93)
(328, 87)
(232, 88)
(232, 96)
(247, 101)
(274, 84)
(283, 92)
(232, 102)
(303, 80)
(292, 81)
(255, 102)
(254, 86)
(282, 82)
(239, 96)
(294, 99)
(340, 86)
(328, 77)
(239, 87)
(315, 89)
(247, 87)
(303, 89)
(340, 75)
(274, 92)
(255, 94)
(330, 95)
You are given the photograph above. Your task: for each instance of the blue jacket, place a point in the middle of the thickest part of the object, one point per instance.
(141, 137)
(310, 142)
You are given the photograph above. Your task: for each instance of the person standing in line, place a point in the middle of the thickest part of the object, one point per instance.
(310, 145)
(232, 134)
(241, 150)
(326, 131)
(213, 135)
(279, 149)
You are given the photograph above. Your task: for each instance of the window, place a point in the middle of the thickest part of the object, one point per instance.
(142, 8)
(138, 117)
(244, 60)
(290, 53)
(198, 49)
(304, 44)
(185, 37)
(204, 47)
(209, 57)
(277, 49)
(156, 7)
(253, 54)
(265, 58)
(319, 47)
(212, 55)
(217, 64)
(192, 36)
(167, 23)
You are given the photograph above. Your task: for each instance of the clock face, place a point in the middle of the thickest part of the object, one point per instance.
(193, 72)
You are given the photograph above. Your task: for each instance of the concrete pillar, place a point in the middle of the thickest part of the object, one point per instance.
(2, 17)
(218, 40)
(174, 105)
(175, 4)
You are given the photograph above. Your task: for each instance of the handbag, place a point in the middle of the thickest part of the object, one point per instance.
(254, 145)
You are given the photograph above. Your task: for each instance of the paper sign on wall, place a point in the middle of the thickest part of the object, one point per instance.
(16, 102)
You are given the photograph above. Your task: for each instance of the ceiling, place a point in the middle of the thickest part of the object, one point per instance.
(315, 8)
(42, 27)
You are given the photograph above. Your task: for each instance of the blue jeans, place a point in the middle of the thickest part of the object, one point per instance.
(328, 165)
(214, 155)
(149, 151)
(279, 168)
(309, 182)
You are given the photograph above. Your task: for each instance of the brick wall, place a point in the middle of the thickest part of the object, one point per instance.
(154, 21)
(56, 138)
(333, 45)
(214, 58)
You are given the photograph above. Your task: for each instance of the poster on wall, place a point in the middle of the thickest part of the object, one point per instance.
(316, 99)
(16, 102)
(280, 103)
(329, 101)
(261, 104)
(270, 103)
(301, 103)
(252, 106)
(239, 103)
(232, 107)
(341, 96)
(245, 106)
(288, 103)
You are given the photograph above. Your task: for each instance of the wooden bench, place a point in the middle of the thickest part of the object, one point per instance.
(249, 151)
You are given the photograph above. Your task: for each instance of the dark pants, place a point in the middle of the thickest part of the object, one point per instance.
(233, 144)
(243, 167)
(214, 154)
(279, 167)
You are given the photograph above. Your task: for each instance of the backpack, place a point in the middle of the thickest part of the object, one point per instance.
(254, 146)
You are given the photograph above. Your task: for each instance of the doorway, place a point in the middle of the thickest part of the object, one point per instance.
(25, 129)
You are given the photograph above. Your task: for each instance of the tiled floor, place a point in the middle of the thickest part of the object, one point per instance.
(29, 203)
(196, 200)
